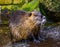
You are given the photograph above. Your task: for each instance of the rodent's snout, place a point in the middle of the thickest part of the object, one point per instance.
(43, 20)
(38, 17)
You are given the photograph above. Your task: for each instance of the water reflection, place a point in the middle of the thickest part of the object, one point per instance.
(20, 45)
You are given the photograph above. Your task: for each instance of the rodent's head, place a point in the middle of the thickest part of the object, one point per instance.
(33, 20)
(37, 17)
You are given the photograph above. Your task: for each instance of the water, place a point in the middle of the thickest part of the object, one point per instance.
(48, 43)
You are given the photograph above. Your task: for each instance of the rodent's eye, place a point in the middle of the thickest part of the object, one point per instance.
(30, 14)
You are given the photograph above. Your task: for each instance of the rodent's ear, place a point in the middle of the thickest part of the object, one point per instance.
(29, 14)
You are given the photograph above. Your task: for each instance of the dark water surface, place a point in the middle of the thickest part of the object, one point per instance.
(47, 43)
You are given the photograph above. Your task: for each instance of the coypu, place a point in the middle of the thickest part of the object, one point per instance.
(23, 24)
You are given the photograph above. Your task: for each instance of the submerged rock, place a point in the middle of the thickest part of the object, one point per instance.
(52, 32)
(23, 25)
(5, 37)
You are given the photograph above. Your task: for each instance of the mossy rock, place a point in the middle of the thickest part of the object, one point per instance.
(51, 9)
(52, 5)
(5, 36)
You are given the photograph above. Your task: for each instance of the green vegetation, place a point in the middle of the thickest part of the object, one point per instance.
(22, 5)
(5, 1)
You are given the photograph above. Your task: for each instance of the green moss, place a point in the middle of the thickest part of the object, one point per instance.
(52, 5)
